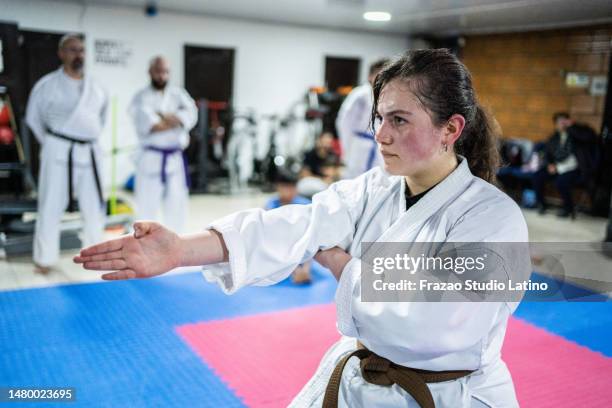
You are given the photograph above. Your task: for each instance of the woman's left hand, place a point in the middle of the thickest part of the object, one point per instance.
(334, 259)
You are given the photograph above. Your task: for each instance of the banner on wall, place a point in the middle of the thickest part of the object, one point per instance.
(112, 52)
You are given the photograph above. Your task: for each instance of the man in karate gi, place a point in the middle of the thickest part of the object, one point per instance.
(66, 112)
(359, 150)
(163, 115)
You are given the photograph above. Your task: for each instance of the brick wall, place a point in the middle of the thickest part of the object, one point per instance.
(521, 76)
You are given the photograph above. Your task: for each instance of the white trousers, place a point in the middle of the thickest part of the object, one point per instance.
(152, 195)
(53, 201)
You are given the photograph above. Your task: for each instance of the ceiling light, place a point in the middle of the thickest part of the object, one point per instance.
(377, 16)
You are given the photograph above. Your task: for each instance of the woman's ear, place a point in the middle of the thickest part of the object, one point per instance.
(453, 129)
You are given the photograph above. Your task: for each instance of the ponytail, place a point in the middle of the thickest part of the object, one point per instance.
(479, 146)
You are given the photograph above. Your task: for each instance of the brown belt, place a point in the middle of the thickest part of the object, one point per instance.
(380, 371)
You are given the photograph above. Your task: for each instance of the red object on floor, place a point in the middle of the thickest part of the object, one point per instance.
(267, 358)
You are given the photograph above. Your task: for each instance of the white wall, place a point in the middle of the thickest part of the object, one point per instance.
(274, 64)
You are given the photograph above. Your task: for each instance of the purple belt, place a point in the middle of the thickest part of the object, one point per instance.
(165, 152)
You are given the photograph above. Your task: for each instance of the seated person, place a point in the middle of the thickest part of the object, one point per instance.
(286, 189)
(564, 163)
(322, 161)
(320, 166)
(522, 159)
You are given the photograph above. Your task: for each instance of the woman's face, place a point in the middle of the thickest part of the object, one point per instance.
(408, 140)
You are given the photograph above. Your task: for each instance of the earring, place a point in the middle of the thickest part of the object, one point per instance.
(445, 147)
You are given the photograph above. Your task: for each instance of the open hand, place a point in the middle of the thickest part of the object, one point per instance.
(150, 251)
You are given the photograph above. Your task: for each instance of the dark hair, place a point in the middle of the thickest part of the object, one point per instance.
(560, 115)
(378, 65)
(285, 176)
(443, 86)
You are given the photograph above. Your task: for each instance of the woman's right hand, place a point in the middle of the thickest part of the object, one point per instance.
(150, 251)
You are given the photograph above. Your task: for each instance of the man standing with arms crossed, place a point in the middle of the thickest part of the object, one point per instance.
(163, 115)
(66, 112)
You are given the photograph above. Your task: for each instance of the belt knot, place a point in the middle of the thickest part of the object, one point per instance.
(375, 370)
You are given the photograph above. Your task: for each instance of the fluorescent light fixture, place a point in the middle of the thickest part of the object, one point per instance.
(377, 16)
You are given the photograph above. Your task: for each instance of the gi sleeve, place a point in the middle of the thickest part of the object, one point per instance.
(34, 112)
(346, 120)
(144, 116)
(266, 246)
(104, 110)
(351, 114)
(188, 112)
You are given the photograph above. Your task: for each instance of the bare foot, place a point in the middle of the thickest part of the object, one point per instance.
(301, 275)
(43, 270)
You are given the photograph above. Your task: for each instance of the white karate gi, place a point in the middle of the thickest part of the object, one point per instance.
(264, 247)
(151, 192)
(241, 154)
(359, 150)
(77, 109)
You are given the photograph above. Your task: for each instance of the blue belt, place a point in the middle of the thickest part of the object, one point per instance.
(372, 155)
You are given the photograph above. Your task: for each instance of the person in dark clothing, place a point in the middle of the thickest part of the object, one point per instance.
(568, 161)
(609, 228)
(322, 161)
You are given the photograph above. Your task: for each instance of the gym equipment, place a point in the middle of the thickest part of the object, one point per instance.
(240, 155)
(5, 118)
(208, 141)
(7, 136)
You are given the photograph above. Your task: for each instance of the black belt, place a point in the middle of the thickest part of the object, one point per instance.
(71, 203)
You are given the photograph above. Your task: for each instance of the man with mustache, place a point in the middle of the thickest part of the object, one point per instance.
(66, 112)
(163, 115)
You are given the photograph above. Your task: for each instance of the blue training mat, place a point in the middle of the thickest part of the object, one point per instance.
(116, 342)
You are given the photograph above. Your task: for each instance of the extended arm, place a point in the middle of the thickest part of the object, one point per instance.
(252, 247)
(152, 250)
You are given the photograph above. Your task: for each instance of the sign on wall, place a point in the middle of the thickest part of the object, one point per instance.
(112, 52)
(576, 80)
(599, 85)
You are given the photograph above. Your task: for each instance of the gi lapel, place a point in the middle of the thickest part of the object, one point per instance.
(74, 116)
(433, 201)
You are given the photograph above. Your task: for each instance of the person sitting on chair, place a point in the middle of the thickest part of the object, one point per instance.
(562, 163)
